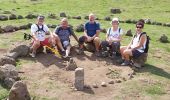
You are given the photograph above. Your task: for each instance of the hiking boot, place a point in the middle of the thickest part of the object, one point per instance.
(32, 54)
(63, 53)
(125, 63)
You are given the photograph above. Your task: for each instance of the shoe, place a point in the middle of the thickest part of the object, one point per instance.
(105, 54)
(63, 53)
(125, 63)
(32, 55)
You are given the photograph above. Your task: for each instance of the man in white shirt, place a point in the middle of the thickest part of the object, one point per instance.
(113, 38)
(39, 31)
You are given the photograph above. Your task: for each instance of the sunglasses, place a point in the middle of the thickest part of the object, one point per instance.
(139, 27)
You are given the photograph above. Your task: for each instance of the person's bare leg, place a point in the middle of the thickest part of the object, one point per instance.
(68, 50)
(122, 49)
(58, 42)
(34, 48)
(97, 43)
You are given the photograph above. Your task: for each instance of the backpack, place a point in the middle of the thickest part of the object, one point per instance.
(110, 30)
(147, 41)
(40, 29)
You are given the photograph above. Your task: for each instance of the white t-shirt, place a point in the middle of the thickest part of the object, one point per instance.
(114, 34)
(40, 35)
(135, 43)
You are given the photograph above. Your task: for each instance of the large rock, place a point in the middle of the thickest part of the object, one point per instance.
(19, 91)
(129, 33)
(7, 60)
(86, 17)
(115, 10)
(8, 75)
(52, 16)
(1, 30)
(76, 17)
(31, 16)
(71, 64)
(164, 39)
(12, 17)
(103, 30)
(140, 61)
(62, 14)
(7, 12)
(79, 28)
(107, 18)
(20, 17)
(3, 17)
(9, 28)
(22, 50)
(79, 79)
(90, 47)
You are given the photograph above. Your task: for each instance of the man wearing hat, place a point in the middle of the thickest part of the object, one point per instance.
(39, 31)
(113, 38)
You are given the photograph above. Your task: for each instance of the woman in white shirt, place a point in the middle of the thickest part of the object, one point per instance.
(136, 46)
(113, 38)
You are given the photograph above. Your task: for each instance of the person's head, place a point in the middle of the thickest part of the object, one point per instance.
(40, 19)
(64, 22)
(91, 17)
(139, 26)
(115, 23)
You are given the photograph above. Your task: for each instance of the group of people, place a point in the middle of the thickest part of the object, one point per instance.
(60, 38)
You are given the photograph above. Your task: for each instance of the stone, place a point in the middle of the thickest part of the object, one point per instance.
(79, 28)
(163, 39)
(12, 17)
(62, 14)
(52, 16)
(79, 79)
(24, 27)
(22, 50)
(20, 17)
(95, 86)
(128, 21)
(30, 16)
(111, 82)
(129, 33)
(8, 82)
(107, 18)
(118, 81)
(76, 17)
(53, 26)
(13, 55)
(90, 47)
(71, 64)
(86, 17)
(103, 30)
(115, 10)
(1, 30)
(19, 91)
(9, 28)
(103, 84)
(6, 60)
(16, 28)
(3, 18)
(140, 61)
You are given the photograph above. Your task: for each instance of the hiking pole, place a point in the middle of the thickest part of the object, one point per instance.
(28, 37)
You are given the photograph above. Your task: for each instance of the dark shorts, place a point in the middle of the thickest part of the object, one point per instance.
(115, 46)
(136, 53)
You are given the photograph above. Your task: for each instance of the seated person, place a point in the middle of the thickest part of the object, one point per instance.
(39, 30)
(91, 34)
(113, 38)
(62, 35)
(137, 45)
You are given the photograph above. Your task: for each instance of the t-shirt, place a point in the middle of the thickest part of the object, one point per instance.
(40, 34)
(64, 34)
(114, 34)
(91, 28)
(135, 43)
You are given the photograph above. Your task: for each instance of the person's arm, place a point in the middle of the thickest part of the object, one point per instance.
(141, 42)
(128, 47)
(33, 32)
(54, 34)
(97, 31)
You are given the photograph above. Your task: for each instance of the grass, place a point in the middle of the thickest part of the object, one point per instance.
(156, 10)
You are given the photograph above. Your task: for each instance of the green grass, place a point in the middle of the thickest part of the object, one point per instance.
(156, 10)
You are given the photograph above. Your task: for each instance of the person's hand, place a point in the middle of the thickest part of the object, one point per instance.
(89, 39)
(110, 42)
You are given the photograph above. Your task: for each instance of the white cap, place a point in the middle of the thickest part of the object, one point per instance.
(115, 19)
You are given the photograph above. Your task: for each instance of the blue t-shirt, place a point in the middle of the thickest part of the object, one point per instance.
(64, 34)
(91, 28)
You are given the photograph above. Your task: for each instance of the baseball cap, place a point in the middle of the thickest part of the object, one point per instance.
(115, 19)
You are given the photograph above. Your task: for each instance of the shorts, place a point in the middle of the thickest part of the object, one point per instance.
(45, 42)
(136, 53)
(65, 44)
